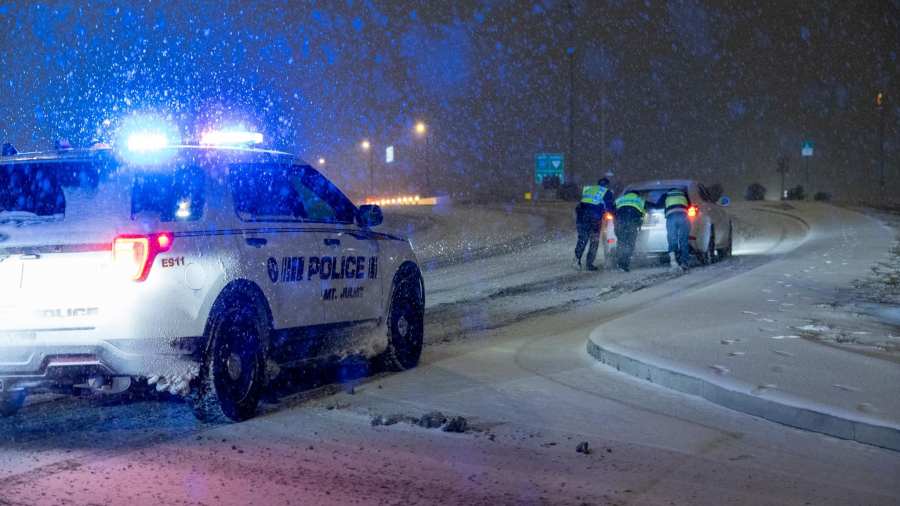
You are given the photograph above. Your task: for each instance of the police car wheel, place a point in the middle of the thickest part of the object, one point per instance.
(234, 371)
(405, 328)
(11, 402)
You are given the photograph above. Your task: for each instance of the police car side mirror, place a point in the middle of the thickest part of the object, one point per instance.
(724, 201)
(369, 216)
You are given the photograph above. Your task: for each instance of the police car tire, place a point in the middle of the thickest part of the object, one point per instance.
(238, 336)
(406, 326)
(11, 402)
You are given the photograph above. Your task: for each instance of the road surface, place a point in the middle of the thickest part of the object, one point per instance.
(507, 325)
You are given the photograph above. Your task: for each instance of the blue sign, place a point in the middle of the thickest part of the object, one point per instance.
(548, 165)
(807, 148)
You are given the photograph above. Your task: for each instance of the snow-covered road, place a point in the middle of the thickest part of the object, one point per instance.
(507, 330)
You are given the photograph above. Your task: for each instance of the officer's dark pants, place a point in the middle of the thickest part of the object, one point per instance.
(678, 231)
(628, 221)
(587, 232)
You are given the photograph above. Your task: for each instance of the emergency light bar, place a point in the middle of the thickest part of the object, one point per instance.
(230, 138)
(147, 141)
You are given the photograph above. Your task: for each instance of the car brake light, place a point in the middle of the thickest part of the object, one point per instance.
(693, 211)
(608, 216)
(133, 255)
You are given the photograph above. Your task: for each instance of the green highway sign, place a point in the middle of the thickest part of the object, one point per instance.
(549, 164)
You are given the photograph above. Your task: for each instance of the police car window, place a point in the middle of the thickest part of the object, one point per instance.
(169, 196)
(38, 188)
(323, 201)
(266, 192)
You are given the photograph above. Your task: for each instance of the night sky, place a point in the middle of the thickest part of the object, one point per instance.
(711, 90)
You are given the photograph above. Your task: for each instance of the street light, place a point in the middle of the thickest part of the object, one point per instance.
(367, 147)
(421, 130)
(321, 161)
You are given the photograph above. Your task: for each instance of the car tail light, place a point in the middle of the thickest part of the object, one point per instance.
(608, 216)
(133, 255)
(693, 212)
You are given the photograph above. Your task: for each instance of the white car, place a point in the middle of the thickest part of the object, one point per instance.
(202, 269)
(711, 226)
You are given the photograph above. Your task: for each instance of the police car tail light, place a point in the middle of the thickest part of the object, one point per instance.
(133, 255)
(693, 212)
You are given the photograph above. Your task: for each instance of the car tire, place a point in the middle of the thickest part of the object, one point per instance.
(726, 251)
(233, 372)
(709, 256)
(11, 402)
(406, 326)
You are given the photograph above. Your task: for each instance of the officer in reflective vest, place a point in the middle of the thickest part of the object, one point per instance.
(595, 200)
(678, 229)
(629, 216)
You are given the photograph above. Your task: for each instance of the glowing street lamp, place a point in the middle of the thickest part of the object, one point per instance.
(421, 130)
(321, 161)
(367, 147)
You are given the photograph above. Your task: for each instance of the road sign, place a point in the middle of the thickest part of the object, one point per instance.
(807, 148)
(548, 165)
(389, 154)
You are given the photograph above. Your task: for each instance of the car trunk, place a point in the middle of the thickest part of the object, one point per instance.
(55, 259)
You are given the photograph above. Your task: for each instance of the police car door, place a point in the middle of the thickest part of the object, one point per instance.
(348, 273)
(279, 250)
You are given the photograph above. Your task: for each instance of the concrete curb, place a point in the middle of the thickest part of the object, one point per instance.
(786, 414)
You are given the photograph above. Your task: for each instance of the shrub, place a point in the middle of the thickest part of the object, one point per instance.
(755, 191)
(568, 192)
(796, 193)
(550, 183)
(822, 197)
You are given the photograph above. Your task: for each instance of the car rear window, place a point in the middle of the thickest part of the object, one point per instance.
(44, 190)
(656, 197)
(38, 188)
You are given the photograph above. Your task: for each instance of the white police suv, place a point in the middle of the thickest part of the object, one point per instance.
(202, 269)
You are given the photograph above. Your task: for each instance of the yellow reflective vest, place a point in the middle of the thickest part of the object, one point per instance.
(593, 195)
(631, 199)
(676, 202)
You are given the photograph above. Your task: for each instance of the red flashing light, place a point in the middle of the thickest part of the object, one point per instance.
(133, 255)
(693, 212)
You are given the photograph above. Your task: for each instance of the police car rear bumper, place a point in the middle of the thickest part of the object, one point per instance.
(44, 367)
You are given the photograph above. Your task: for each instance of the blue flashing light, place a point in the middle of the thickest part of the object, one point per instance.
(147, 141)
(230, 138)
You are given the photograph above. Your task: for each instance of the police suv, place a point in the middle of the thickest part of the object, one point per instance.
(202, 269)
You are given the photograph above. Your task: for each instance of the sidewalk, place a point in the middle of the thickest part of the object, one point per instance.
(739, 342)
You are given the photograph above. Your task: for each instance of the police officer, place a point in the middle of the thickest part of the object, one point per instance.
(678, 229)
(629, 215)
(595, 200)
